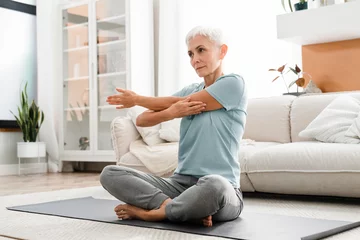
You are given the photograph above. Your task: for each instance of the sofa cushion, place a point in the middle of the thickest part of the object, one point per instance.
(159, 159)
(248, 149)
(150, 135)
(123, 132)
(332, 124)
(129, 160)
(170, 130)
(268, 119)
(354, 129)
(305, 108)
(307, 168)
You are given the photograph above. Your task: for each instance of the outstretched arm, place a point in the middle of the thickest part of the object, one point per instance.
(128, 99)
(180, 109)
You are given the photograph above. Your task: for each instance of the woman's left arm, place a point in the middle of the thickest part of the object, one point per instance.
(205, 97)
(225, 93)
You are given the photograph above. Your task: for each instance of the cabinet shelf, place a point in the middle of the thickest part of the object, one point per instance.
(76, 49)
(76, 109)
(74, 26)
(76, 79)
(333, 23)
(111, 46)
(102, 47)
(103, 24)
(104, 75)
(107, 107)
(111, 23)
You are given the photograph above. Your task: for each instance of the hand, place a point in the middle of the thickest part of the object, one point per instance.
(126, 99)
(186, 108)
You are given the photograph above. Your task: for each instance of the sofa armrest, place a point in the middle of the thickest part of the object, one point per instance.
(123, 133)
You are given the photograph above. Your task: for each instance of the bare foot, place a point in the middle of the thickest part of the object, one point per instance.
(127, 211)
(207, 222)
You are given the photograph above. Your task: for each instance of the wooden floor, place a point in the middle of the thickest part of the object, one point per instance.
(11, 185)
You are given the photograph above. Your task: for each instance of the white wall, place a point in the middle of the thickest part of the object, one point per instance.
(250, 27)
(18, 67)
(48, 21)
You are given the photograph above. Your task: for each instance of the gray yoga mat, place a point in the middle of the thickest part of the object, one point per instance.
(247, 226)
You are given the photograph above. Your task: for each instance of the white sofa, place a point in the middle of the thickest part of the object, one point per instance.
(278, 160)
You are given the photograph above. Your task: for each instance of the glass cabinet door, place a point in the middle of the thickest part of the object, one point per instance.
(76, 92)
(111, 64)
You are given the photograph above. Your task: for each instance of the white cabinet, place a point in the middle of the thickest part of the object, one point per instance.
(106, 44)
(333, 23)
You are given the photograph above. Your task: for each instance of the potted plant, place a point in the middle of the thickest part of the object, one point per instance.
(29, 119)
(299, 81)
(301, 5)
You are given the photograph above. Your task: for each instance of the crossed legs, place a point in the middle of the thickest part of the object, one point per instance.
(178, 198)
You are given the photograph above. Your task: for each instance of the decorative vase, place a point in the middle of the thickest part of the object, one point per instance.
(31, 149)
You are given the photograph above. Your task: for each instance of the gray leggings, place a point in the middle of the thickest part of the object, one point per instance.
(192, 198)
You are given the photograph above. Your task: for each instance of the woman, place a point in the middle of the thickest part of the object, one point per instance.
(206, 183)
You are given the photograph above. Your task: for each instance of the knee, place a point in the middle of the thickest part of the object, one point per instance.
(108, 173)
(216, 183)
(105, 175)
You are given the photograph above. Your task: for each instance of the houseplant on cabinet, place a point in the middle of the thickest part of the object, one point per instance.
(29, 119)
(299, 81)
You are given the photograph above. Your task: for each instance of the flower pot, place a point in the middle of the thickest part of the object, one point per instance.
(31, 149)
(294, 93)
(300, 6)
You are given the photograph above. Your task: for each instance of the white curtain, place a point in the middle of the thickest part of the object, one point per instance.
(250, 31)
(48, 39)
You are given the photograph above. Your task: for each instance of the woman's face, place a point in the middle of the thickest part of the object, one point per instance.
(205, 55)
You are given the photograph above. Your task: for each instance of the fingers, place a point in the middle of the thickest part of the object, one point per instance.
(195, 103)
(120, 90)
(198, 108)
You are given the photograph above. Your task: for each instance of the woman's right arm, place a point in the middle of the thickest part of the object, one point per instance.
(128, 99)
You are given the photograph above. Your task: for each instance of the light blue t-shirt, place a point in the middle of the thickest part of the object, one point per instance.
(209, 142)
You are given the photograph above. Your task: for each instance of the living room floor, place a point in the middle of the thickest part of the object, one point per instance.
(12, 185)
(42, 188)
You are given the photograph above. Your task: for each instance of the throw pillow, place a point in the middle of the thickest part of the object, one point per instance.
(170, 130)
(354, 130)
(334, 121)
(150, 135)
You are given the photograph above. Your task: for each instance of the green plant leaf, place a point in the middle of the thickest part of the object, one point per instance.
(42, 118)
(26, 96)
(292, 83)
(283, 4)
(290, 6)
(293, 70)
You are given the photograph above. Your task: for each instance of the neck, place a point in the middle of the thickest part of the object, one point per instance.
(210, 79)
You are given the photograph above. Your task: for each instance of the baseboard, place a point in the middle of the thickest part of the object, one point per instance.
(27, 168)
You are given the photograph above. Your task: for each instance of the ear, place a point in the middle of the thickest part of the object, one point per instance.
(223, 51)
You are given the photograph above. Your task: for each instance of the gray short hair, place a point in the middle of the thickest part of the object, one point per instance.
(213, 34)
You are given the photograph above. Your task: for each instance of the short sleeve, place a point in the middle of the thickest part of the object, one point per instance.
(228, 91)
(186, 90)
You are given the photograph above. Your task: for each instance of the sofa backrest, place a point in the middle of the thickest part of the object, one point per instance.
(268, 119)
(305, 108)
